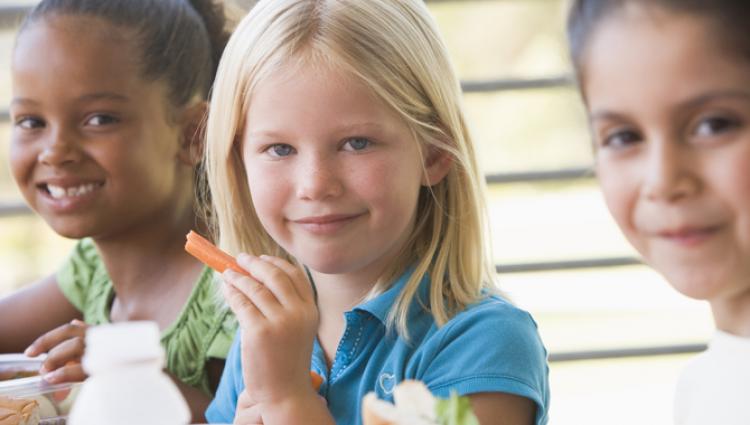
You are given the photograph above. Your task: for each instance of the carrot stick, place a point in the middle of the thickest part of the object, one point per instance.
(209, 254)
(202, 249)
(317, 380)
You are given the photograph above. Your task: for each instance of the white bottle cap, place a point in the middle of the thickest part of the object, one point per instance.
(108, 346)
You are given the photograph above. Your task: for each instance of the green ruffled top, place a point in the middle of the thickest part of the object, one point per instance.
(204, 329)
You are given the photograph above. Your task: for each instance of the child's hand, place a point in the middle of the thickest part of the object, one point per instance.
(278, 320)
(64, 347)
(247, 412)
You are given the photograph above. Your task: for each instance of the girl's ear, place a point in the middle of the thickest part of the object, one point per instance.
(192, 139)
(437, 165)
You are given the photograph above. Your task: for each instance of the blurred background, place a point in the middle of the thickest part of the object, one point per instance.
(617, 334)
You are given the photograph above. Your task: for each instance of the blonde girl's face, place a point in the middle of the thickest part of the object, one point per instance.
(670, 112)
(93, 149)
(334, 174)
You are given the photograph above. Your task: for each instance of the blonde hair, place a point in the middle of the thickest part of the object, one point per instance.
(394, 48)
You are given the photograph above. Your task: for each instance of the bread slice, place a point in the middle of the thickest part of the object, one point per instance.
(413, 405)
(18, 411)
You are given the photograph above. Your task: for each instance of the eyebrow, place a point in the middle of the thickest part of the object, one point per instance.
(104, 96)
(712, 96)
(23, 101)
(347, 128)
(691, 103)
(85, 98)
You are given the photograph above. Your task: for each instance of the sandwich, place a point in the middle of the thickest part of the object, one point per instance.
(414, 404)
(18, 411)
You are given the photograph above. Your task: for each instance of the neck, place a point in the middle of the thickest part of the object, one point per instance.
(151, 256)
(340, 293)
(732, 314)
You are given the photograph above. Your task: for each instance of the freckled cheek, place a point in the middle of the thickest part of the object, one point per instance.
(268, 194)
(376, 181)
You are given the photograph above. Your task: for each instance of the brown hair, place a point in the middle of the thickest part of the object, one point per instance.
(729, 19)
(180, 41)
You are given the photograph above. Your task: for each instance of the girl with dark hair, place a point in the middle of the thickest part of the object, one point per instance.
(109, 98)
(667, 87)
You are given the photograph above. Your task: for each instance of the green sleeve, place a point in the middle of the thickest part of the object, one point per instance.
(222, 341)
(78, 273)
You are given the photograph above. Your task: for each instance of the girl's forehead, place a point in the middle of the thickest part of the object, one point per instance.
(81, 26)
(72, 41)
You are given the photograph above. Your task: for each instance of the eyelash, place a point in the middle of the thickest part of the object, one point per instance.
(108, 119)
(727, 124)
(369, 143)
(273, 149)
(36, 123)
(25, 119)
(608, 141)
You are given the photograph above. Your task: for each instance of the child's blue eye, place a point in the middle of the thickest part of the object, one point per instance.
(358, 143)
(29, 123)
(621, 139)
(714, 125)
(280, 150)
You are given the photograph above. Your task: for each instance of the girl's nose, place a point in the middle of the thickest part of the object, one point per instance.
(318, 180)
(59, 150)
(669, 175)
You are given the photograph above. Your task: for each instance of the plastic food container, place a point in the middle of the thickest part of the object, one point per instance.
(19, 379)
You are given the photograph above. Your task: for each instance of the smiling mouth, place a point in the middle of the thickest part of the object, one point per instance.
(60, 192)
(689, 236)
(328, 219)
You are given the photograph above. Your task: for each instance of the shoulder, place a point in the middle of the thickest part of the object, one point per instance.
(496, 318)
(499, 349)
(83, 278)
(85, 255)
(496, 330)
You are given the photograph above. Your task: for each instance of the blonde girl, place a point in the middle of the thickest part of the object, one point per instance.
(339, 160)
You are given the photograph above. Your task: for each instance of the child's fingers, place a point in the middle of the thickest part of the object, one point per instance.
(297, 275)
(66, 352)
(72, 372)
(54, 337)
(257, 292)
(243, 307)
(247, 412)
(272, 277)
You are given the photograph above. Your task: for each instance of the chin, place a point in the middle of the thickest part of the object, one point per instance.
(70, 230)
(696, 285)
(325, 267)
(330, 264)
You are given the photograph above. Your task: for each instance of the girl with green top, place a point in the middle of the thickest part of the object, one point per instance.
(108, 102)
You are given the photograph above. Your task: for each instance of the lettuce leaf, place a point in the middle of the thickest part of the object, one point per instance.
(455, 410)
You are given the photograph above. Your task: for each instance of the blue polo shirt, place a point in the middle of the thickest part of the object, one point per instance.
(491, 346)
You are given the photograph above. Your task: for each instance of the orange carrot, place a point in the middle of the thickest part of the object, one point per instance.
(200, 248)
(317, 380)
(209, 254)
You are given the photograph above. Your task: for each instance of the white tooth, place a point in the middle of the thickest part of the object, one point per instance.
(56, 191)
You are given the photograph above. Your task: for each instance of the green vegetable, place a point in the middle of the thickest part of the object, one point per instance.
(455, 410)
